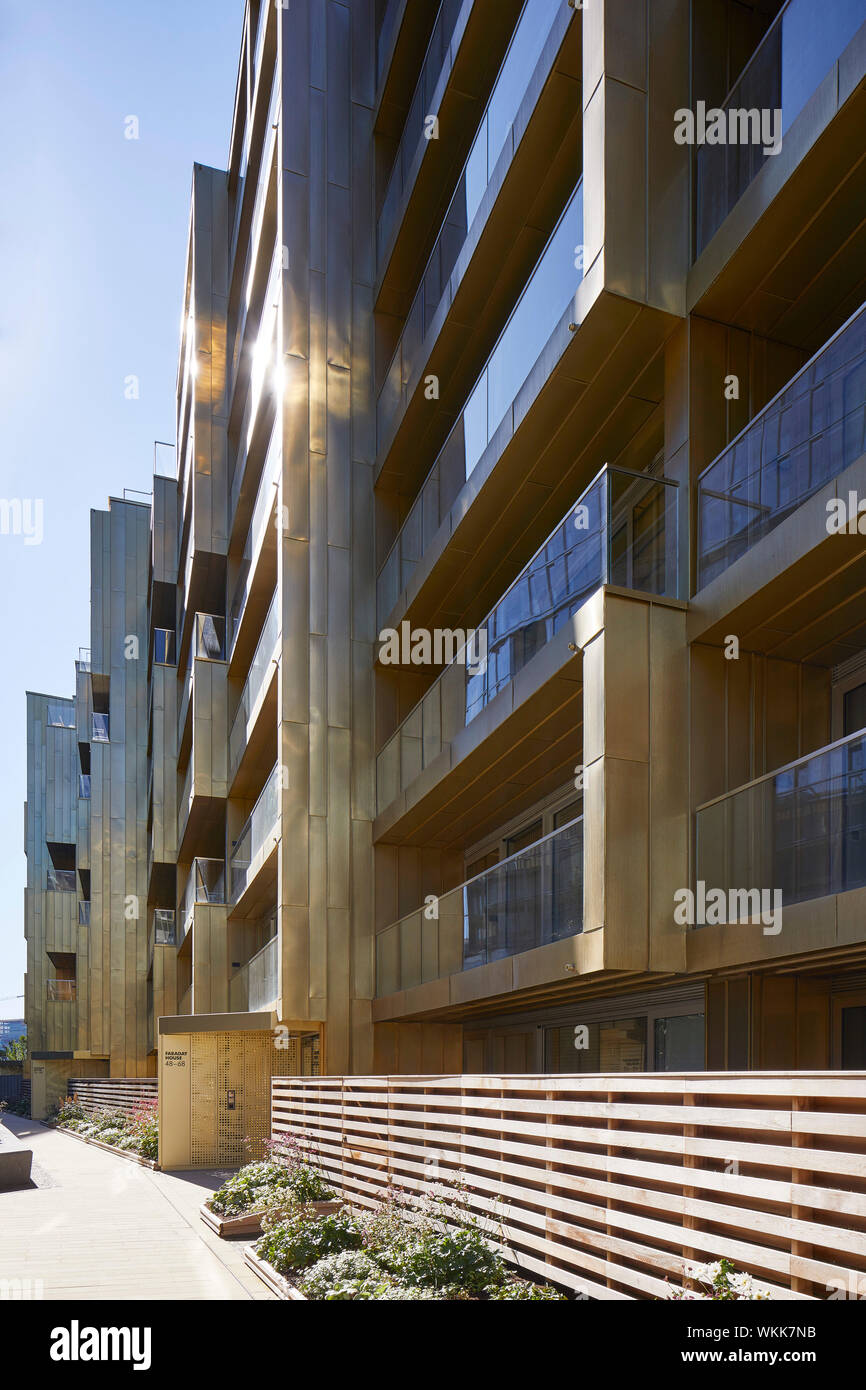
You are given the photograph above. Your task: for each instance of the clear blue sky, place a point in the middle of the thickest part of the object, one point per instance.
(92, 242)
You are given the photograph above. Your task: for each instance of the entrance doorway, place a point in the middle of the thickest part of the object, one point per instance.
(849, 1032)
(215, 1092)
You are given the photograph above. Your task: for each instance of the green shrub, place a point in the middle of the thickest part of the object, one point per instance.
(248, 1189)
(298, 1240)
(306, 1185)
(67, 1110)
(524, 1289)
(461, 1258)
(335, 1275)
(266, 1184)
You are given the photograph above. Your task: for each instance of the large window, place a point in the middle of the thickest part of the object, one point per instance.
(669, 1037)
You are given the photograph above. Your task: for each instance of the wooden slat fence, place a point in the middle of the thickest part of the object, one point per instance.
(114, 1093)
(612, 1185)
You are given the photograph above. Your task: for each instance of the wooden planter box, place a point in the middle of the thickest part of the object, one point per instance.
(109, 1148)
(278, 1285)
(251, 1224)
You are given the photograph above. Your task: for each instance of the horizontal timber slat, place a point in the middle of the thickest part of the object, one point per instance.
(612, 1185)
(125, 1094)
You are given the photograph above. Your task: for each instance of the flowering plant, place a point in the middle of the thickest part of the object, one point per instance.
(722, 1281)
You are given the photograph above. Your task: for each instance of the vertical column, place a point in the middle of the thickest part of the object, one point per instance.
(326, 564)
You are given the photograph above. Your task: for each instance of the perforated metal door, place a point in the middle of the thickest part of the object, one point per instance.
(230, 1101)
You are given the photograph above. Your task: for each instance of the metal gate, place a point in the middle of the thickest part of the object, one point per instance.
(230, 1094)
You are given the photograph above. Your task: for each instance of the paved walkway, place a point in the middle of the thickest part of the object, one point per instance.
(99, 1226)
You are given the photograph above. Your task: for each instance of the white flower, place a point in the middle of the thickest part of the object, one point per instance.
(741, 1284)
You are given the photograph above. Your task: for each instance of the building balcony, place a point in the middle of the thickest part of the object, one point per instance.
(539, 310)
(807, 435)
(800, 829)
(258, 562)
(773, 565)
(258, 693)
(60, 991)
(255, 987)
(164, 926)
(493, 152)
(466, 47)
(204, 886)
(257, 839)
(795, 839)
(785, 71)
(60, 880)
(164, 653)
(422, 104)
(208, 644)
(622, 531)
(530, 900)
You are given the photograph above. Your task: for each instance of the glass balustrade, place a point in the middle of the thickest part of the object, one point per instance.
(384, 35)
(494, 132)
(788, 66)
(545, 298)
(800, 830)
(60, 991)
(84, 913)
(163, 926)
(61, 717)
(260, 670)
(420, 107)
(256, 985)
(185, 700)
(210, 637)
(99, 727)
(163, 647)
(807, 435)
(623, 531)
(84, 786)
(253, 838)
(531, 899)
(183, 801)
(266, 499)
(60, 880)
(206, 884)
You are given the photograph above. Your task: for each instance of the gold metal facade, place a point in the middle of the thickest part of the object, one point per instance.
(352, 456)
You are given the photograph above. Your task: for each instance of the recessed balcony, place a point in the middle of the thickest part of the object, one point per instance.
(164, 926)
(259, 539)
(807, 435)
(257, 839)
(60, 991)
(530, 900)
(255, 987)
(421, 105)
(800, 830)
(497, 136)
(622, 531)
(544, 300)
(256, 694)
(205, 887)
(60, 880)
(787, 68)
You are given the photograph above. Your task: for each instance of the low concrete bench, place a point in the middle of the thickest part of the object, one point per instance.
(15, 1160)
